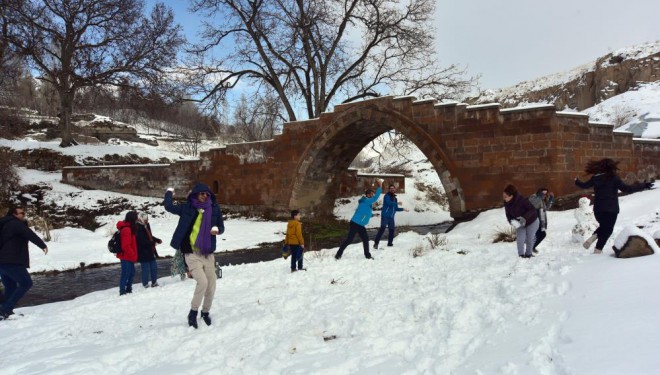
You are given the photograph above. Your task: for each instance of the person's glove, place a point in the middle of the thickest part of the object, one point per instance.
(521, 220)
(515, 223)
(649, 185)
(171, 189)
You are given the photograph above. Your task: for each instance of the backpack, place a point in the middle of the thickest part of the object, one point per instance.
(286, 251)
(114, 244)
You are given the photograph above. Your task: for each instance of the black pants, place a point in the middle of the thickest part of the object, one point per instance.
(606, 221)
(540, 235)
(354, 229)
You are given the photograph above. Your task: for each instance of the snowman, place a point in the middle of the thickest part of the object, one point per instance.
(586, 222)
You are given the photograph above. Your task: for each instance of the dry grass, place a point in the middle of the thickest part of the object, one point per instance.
(418, 251)
(506, 234)
(437, 240)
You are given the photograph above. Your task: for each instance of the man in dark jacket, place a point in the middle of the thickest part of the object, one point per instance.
(15, 258)
(200, 220)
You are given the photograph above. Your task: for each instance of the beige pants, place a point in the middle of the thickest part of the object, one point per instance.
(202, 269)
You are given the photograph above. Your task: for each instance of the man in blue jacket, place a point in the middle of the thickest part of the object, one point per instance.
(200, 220)
(15, 258)
(360, 220)
(390, 207)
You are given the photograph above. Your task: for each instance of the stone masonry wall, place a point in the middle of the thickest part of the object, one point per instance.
(476, 150)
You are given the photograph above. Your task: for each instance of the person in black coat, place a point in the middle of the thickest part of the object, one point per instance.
(522, 215)
(146, 244)
(606, 184)
(15, 258)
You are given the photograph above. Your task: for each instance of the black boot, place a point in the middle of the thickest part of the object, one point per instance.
(192, 318)
(206, 318)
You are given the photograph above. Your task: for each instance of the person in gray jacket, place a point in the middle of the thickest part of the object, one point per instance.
(542, 201)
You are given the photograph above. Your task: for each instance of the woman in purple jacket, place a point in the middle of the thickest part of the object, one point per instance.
(522, 215)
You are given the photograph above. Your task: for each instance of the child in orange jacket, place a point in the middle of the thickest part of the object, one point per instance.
(295, 240)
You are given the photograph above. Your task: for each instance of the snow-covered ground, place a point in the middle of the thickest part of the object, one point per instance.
(468, 307)
(640, 109)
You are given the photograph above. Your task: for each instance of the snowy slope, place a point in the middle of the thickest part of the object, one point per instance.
(639, 109)
(519, 90)
(471, 307)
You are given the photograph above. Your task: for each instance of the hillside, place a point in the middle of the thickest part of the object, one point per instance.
(586, 85)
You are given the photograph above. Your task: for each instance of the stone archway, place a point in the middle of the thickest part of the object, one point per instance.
(482, 146)
(335, 146)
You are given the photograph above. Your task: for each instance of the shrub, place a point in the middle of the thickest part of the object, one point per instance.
(9, 179)
(506, 234)
(437, 240)
(12, 126)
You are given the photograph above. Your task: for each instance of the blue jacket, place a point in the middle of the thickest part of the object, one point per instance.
(390, 206)
(363, 213)
(187, 215)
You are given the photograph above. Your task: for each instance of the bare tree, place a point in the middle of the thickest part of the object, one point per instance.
(257, 119)
(320, 52)
(82, 43)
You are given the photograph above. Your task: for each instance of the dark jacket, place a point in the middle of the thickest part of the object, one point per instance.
(390, 206)
(128, 242)
(15, 235)
(146, 246)
(520, 206)
(187, 216)
(606, 191)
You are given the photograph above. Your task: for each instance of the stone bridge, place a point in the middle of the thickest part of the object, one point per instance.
(475, 150)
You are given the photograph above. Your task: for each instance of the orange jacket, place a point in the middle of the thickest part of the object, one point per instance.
(294, 234)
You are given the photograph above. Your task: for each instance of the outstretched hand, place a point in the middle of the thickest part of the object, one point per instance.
(649, 185)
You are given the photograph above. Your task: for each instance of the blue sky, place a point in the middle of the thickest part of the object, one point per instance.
(514, 40)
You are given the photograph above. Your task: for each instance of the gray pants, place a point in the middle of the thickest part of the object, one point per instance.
(202, 269)
(526, 236)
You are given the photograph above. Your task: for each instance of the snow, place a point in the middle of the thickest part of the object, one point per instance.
(639, 109)
(631, 230)
(467, 307)
(519, 90)
(83, 151)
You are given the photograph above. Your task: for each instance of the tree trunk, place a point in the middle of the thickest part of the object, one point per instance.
(66, 108)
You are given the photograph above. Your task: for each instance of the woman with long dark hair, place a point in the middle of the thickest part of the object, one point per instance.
(129, 254)
(606, 183)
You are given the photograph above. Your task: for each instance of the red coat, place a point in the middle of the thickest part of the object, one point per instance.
(128, 242)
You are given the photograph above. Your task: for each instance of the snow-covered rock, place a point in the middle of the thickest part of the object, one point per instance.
(633, 242)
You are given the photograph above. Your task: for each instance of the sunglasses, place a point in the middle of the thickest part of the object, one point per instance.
(203, 193)
(20, 213)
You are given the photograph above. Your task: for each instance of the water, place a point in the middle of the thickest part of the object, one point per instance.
(68, 285)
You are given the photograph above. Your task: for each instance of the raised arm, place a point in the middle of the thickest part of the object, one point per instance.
(169, 204)
(373, 199)
(584, 185)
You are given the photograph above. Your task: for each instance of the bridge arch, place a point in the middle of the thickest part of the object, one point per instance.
(336, 145)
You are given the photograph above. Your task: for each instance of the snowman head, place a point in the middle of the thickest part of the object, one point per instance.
(584, 202)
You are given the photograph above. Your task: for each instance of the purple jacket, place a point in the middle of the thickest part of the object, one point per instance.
(520, 206)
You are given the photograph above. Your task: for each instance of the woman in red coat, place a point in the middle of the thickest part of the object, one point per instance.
(129, 254)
